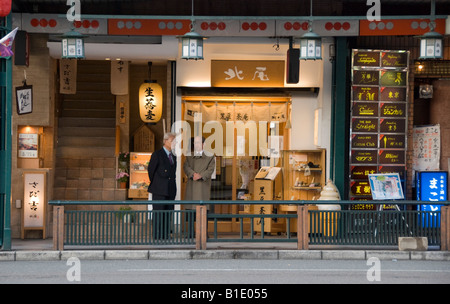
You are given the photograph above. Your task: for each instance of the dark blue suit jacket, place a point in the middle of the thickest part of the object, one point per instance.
(162, 175)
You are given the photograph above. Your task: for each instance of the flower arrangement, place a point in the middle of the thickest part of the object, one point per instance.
(122, 177)
(124, 156)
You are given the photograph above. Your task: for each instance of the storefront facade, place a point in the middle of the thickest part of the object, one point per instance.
(248, 106)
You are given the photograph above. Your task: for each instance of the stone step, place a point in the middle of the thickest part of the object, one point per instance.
(89, 104)
(91, 113)
(65, 174)
(86, 141)
(90, 95)
(87, 132)
(85, 152)
(87, 122)
(85, 183)
(95, 86)
(94, 78)
(61, 193)
(79, 163)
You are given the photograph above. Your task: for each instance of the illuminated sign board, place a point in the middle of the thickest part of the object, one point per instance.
(378, 117)
(431, 186)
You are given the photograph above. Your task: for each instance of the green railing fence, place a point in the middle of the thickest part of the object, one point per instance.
(197, 227)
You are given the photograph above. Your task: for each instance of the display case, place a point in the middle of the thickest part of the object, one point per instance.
(139, 180)
(304, 174)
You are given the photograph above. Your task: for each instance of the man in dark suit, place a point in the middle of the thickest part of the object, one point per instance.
(162, 174)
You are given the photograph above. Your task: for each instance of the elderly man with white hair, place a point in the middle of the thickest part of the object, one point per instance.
(162, 173)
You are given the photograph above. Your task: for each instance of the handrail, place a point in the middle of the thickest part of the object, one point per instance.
(241, 202)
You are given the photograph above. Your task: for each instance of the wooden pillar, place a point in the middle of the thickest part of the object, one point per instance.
(58, 227)
(201, 228)
(302, 228)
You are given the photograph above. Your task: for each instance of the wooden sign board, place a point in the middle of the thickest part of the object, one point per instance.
(247, 73)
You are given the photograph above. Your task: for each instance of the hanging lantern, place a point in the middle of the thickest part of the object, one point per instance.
(192, 42)
(192, 46)
(72, 45)
(5, 8)
(431, 45)
(150, 102)
(310, 46)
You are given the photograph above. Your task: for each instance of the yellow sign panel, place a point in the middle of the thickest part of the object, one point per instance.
(247, 73)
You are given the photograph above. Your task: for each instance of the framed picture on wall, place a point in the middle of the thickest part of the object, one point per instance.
(24, 99)
(28, 145)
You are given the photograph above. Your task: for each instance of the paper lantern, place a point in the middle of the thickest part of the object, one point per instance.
(150, 102)
(5, 8)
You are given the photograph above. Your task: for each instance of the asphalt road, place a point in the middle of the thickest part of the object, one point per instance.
(225, 272)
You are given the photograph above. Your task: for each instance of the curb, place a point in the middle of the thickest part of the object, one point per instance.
(49, 255)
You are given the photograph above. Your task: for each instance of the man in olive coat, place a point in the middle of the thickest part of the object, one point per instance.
(199, 169)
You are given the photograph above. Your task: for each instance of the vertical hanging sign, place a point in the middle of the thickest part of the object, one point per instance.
(379, 95)
(119, 77)
(68, 76)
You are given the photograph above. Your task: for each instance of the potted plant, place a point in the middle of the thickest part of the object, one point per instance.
(126, 214)
(122, 178)
(124, 159)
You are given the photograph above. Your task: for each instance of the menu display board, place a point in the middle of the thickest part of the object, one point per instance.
(379, 94)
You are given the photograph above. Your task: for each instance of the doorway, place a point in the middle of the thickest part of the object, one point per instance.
(245, 133)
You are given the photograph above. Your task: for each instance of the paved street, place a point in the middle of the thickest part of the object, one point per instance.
(225, 271)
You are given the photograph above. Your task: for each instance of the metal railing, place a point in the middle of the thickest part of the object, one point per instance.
(128, 227)
(304, 225)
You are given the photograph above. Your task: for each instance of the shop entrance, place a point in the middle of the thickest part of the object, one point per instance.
(244, 133)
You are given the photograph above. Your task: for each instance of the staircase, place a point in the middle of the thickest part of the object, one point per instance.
(85, 160)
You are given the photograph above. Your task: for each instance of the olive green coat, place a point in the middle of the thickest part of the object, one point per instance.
(203, 165)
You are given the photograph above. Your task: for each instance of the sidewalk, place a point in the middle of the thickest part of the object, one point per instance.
(42, 250)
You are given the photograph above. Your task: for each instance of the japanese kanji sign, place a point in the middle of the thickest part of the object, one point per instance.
(119, 77)
(247, 73)
(67, 76)
(34, 199)
(427, 147)
(24, 99)
(150, 102)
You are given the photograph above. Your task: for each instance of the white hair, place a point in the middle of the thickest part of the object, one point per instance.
(168, 135)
